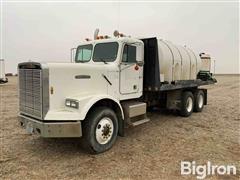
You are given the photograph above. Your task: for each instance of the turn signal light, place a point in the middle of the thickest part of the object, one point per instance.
(51, 90)
(72, 103)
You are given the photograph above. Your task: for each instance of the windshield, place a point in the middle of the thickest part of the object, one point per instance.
(84, 53)
(106, 52)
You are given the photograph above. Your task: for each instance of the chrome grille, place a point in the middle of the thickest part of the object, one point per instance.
(30, 86)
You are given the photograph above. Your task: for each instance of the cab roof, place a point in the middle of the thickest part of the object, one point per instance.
(112, 39)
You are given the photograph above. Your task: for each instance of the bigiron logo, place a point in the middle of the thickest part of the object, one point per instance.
(201, 171)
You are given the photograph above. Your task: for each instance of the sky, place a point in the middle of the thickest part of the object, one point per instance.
(47, 31)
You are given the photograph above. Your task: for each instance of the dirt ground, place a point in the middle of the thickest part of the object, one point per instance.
(150, 151)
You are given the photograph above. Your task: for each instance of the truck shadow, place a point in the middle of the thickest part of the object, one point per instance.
(162, 111)
(75, 146)
(60, 145)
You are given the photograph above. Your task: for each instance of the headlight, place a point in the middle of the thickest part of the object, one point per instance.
(72, 103)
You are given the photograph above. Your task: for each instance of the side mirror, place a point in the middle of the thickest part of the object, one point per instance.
(140, 63)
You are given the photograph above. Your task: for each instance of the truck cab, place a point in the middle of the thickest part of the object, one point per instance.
(120, 62)
(55, 98)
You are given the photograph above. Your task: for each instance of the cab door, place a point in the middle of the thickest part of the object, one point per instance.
(130, 72)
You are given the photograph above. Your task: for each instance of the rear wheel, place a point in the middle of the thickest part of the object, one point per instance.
(100, 130)
(199, 101)
(187, 104)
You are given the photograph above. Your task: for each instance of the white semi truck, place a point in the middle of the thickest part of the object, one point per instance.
(111, 84)
(3, 78)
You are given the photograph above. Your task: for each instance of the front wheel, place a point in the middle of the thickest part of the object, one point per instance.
(100, 130)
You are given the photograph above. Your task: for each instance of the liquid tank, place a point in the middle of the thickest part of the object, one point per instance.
(177, 62)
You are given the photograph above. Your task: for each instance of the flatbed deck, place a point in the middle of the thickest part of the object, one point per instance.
(186, 84)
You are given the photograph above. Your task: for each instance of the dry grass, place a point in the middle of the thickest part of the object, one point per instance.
(153, 150)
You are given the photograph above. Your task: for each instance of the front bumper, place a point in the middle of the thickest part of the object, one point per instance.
(51, 129)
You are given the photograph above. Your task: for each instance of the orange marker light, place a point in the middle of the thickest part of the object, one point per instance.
(136, 67)
(51, 90)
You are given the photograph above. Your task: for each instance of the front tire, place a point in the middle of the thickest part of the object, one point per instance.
(100, 130)
(187, 104)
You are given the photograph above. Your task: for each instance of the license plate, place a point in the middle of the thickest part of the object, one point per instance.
(29, 128)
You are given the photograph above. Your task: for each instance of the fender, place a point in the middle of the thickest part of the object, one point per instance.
(86, 102)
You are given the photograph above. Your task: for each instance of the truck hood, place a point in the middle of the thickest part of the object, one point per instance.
(75, 79)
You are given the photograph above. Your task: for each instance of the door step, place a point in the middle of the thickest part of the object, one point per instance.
(136, 123)
(135, 112)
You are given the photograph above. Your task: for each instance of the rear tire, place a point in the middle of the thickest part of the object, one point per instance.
(100, 130)
(199, 101)
(187, 104)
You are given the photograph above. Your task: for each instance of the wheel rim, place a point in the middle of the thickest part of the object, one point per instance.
(200, 101)
(104, 130)
(189, 104)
